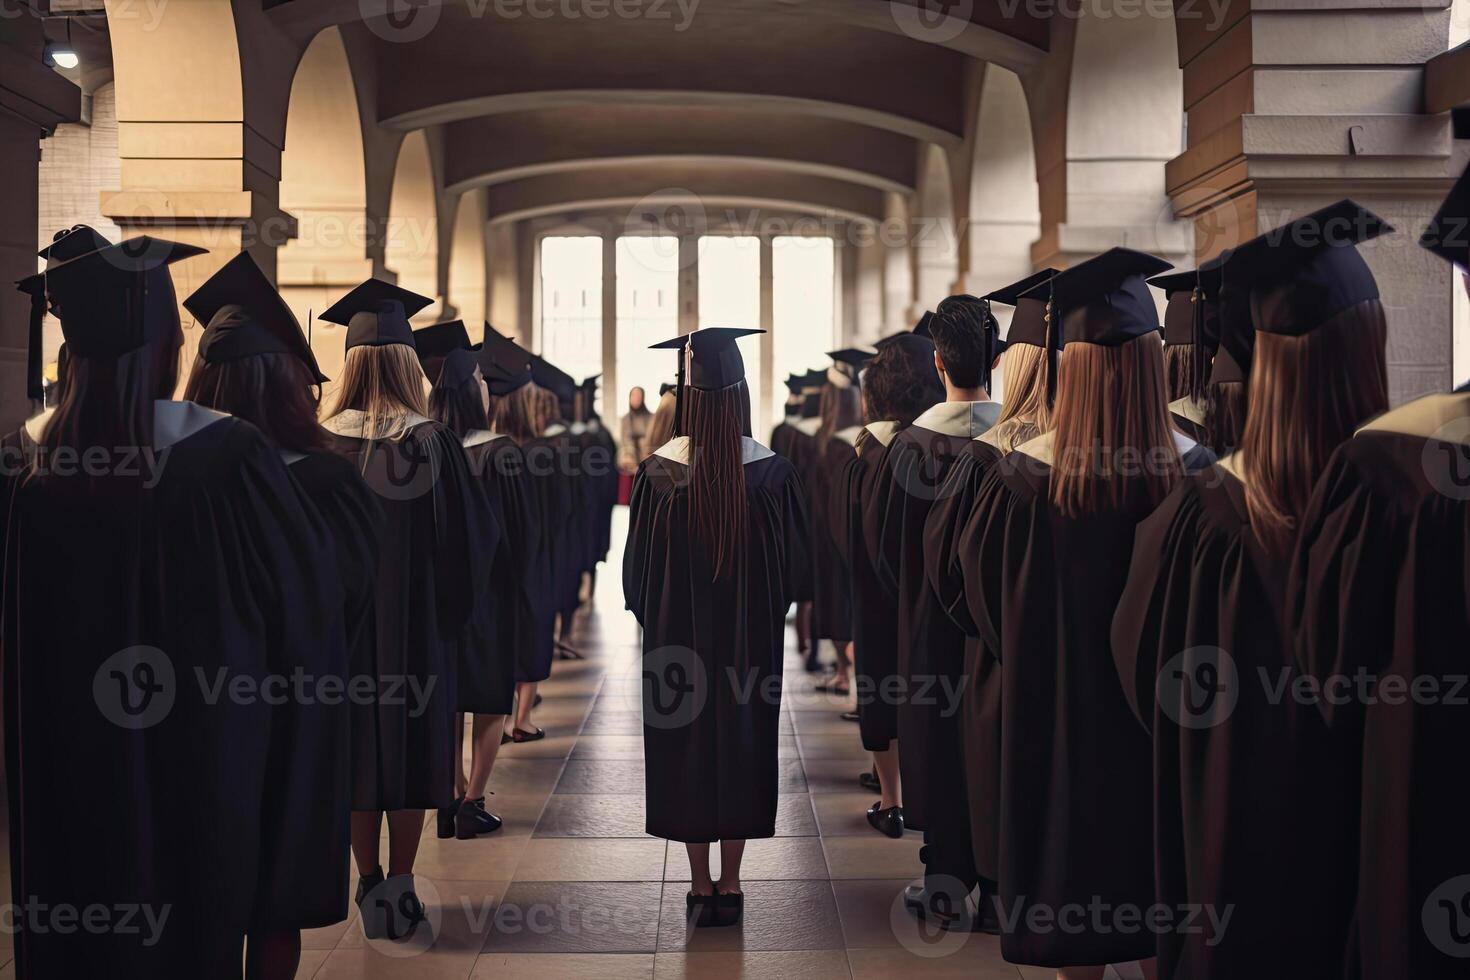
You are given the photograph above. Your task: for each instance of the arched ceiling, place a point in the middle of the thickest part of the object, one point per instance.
(820, 105)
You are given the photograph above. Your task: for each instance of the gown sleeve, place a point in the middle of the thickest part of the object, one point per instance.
(795, 521)
(642, 507)
(1152, 621)
(944, 559)
(983, 542)
(466, 533)
(884, 526)
(520, 530)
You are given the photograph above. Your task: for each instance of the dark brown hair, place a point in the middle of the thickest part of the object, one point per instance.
(717, 506)
(1307, 396)
(108, 402)
(273, 392)
(895, 391)
(842, 408)
(461, 409)
(1225, 408)
(1113, 447)
(1179, 369)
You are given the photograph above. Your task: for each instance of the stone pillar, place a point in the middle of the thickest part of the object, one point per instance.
(898, 267)
(1293, 107)
(610, 387)
(760, 419)
(688, 283)
(34, 100)
(868, 296)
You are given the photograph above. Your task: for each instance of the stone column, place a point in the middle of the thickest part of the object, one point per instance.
(610, 405)
(688, 283)
(34, 100)
(1293, 107)
(760, 414)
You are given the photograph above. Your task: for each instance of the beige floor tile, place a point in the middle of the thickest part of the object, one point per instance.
(461, 914)
(824, 722)
(846, 814)
(576, 917)
(977, 957)
(776, 858)
(778, 915)
(593, 815)
(591, 859)
(872, 912)
(488, 858)
(564, 966)
(843, 745)
(874, 856)
(626, 747)
(819, 964)
(835, 775)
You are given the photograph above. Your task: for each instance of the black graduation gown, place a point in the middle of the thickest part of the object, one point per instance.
(874, 607)
(712, 651)
(980, 707)
(553, 503)
(572, 551)
(931, 649)
(600, 460)
(151, 614)
(317, 779)
(1076, 778)
(439, 536)
(502, 619)
(1380, 588)
(1252, 813)
(831, 590)
(781, 438)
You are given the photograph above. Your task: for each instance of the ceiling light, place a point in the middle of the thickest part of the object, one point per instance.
(59, 55)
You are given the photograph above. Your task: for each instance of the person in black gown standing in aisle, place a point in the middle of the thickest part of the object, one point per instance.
(502, 619)
(715, 557)
(801, 451)
(931, 651)
(255, 364)
(899, 384)
(1378, 591)
(439, 537)
(1049, 544)
(598, 461)
(181, 549)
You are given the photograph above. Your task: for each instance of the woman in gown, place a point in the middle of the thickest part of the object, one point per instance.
(1200, 622)
(502, 619)
(1378, 590)
(898, 385)
(255, 364)
(433, 562)
(1049, 543)
(153, 600)
(716, 555)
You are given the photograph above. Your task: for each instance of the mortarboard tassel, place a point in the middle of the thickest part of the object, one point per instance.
(1202, 353)
(35, 386)
(679, 391)
(1053, 339)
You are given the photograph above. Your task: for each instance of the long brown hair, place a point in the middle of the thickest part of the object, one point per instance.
(1113, 447)
(108, 402)
(385, 383)
(462, 408)
(1307, 395)
(717, 507)
(1025, 414)
(841, 408)
(273, 392)
(1179, 369)
(515, 415)
(1225, 414)
(661, 429)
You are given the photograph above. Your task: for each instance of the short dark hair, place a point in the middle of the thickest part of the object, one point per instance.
(964, 333)
(900, 384)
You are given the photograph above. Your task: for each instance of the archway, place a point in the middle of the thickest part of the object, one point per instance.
(934, 232)
(467, 261)
(412, 247)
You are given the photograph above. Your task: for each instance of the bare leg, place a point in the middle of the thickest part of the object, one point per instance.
(844, 664)
(700, 882)
(803, 627)
(405, 827)
(459, 779)
(731, 852)
(1082, 973)
(886, 762)
(366, 825)
(525, 699)
(484, 746)
(273, 955)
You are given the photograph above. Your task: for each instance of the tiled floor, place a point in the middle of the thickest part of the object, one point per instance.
(572, 886)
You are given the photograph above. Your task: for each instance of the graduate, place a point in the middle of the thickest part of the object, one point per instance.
(1025, 415)
(781, 434)
(1183, 309)
(801, 450)
(439, 538)
(572, 545)
(931, 650)
(899, 384)
(599, 456)
(715, 557)
(1208, 574)
(502, 620)
(1048, 546)
(255, 364)
(836, 439)
(1378, 590)
(507, 369)
(661, 429)
(177, 557)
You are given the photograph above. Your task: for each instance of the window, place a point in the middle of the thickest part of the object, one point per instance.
(805, 326)
(730, 296)
(571, 304)
(648, 312)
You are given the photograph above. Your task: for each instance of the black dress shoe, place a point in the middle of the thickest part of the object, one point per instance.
(850, 716)
(887, 822)
(405, 911)
(869, 780)
(936, 908)
(370, 906)
(473, 819)
(729, 907)
(444, 828)
(700, 909)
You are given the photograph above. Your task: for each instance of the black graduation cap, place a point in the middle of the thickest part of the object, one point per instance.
(665, 388)
(1028, 322)
(505, 364)
(376, 313)
(795, 382)
(117, 298)
(1460, 121)
(1307, 271)
(852, 357)
(713, 361)
(1448, 233)
(457, 369)
(441, 338)
(1182, 290)
(922, 327)
(553, 378)
(65, 244)
(243, 315)
(1227, 369)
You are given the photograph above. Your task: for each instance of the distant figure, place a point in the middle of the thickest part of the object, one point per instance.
(633, 433)
(661, 429)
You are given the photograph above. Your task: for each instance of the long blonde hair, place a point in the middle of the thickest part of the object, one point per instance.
(385, 383)
(661, 429)
(1025, 413)
(1306, 396)
(514, 415)
(1112, 419)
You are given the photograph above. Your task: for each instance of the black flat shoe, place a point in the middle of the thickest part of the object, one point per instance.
(937, 909)
(406, 912)
(519, 735)
(887, 822)
(473, 820)
(444, 828)
(729, 907)
(373, 914)
(701, 910)
(849, 716)
(869, 780)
